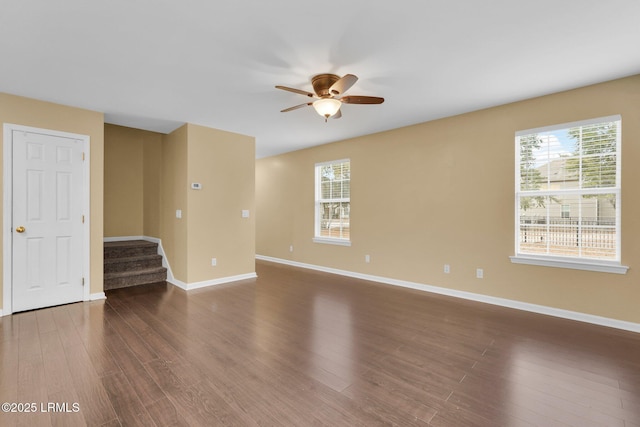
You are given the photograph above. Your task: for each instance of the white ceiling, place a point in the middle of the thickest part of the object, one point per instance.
(155, 64)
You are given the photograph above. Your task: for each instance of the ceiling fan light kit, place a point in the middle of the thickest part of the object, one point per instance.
(327, 107)
(327, 88)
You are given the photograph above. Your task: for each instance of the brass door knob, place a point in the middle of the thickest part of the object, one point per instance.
(20, 229)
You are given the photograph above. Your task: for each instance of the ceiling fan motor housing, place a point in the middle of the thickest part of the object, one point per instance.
(322, 82)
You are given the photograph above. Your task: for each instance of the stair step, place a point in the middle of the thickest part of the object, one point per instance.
(124, 279)
(131, 263)
(129, 248)
(114, 265)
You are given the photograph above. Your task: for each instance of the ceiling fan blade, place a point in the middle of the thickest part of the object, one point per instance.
(294, 90)
(357, 99)
(286, 110)
(343, 85)
(337, 115)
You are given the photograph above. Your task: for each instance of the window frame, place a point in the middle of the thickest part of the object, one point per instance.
(317, 238)
(580, 263)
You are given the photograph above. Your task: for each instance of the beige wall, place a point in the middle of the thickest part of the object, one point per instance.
(152, 184)
(173, 231)
(132, 165)
(443, 192)
(224, 163)
(45, 115)
(123, 192)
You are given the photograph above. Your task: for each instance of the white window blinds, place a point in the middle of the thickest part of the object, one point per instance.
(568, 190)
(333, 200)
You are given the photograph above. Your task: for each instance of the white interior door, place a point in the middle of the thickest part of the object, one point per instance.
(47, 230)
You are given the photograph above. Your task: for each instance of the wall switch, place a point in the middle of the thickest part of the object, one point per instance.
(290, 248)
(214, 262)
(196, 186)
(367, 259)
(447, 268)
(245, 213)
(179, 213)
(479, 273)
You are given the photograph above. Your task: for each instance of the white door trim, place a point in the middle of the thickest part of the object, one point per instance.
(7, 209)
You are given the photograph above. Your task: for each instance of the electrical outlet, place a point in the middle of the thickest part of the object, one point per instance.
(290, 248)
(367, 259)
(447, 268)
(479, 273)
(214, 262)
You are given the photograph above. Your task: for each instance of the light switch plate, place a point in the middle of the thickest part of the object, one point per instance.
(245, 213)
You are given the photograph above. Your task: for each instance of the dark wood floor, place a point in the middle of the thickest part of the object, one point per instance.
(302, 348)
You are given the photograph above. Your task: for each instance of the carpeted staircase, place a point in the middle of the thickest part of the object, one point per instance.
(131, 263)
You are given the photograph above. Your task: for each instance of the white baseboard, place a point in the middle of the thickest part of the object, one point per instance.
(213, 282)
(97, 296)
(503, 302)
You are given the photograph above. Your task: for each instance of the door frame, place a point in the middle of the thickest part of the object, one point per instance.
(7, 208)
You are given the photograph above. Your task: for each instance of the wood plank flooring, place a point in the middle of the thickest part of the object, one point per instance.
(303, 348)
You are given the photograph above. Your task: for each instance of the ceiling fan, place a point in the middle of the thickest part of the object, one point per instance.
(327, 88)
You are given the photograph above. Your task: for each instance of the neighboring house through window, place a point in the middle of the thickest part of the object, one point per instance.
(333, 202)
(568, 195)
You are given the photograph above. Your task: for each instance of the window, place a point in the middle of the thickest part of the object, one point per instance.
(333, 202)
(568, 194)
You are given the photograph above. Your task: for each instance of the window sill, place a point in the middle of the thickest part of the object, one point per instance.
(327, 241)
(599, 266)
